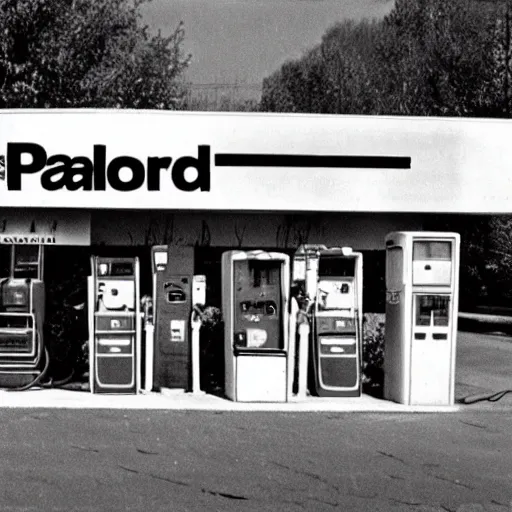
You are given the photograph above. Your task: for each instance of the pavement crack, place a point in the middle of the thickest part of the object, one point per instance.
(314, 476)
(225, 495)
(324, 502)
(396, 477)
(157, 477)
(85, 448)
(292, 502)
(170, 480)
(404, 502)
(146, 452)
(391, 456)
(362, 496)
(484, 427)
(444, 507)
(500, 504)
(305, 473)
(128, 469)
(454, 482)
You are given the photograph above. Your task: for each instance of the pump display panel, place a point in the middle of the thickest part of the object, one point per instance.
(432, 310)
(432, 263)
(258, 310)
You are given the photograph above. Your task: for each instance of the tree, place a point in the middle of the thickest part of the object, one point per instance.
(498, 91)
(437, 55)
(86, 53)
(336, 76)
(351, 67)
(283, 91)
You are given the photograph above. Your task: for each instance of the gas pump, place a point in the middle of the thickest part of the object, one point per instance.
(336, 332)
(176, 292)
(255, 292)
(22, 315)
(114, 306)
(422, 280)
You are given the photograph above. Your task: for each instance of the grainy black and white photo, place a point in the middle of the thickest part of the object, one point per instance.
(256, 255)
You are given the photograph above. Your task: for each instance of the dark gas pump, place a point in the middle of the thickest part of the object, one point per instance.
(23, 359)
(332, 282)
(176, 291)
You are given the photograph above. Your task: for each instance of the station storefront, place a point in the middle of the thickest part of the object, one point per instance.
(117, 184)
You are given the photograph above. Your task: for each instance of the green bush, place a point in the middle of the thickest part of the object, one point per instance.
(212, 350)
(373, 353)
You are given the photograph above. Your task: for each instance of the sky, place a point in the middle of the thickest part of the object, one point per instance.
(243, 41)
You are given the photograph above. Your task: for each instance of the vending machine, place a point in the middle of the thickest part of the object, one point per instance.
(255, 293)
(176, 291)
(337, 324)
(22, 316)
(115, 326)
(422, 281)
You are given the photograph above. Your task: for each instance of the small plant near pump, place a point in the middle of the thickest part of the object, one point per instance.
(373, 353)
(212, 350)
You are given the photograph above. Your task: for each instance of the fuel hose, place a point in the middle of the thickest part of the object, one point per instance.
(485, 397)
(39, 378)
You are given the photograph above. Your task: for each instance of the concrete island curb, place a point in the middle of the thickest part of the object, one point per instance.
(179, 401)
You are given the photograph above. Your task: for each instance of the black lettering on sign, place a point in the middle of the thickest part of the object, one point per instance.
(61, 171)
(15, 168)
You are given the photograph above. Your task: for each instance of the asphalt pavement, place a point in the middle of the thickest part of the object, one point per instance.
(484, 366)
(175, 460)
(65, 460)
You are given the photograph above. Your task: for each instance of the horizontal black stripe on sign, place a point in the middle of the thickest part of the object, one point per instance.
(331, 161)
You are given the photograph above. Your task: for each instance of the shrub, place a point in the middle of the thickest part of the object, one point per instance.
(212, 350)
(373, 353)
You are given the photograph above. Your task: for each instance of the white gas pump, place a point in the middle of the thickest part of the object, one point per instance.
(255, 292)
(422, 281)
(115, 326)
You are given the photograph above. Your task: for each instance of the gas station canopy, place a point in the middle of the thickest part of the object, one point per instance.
(253, 162)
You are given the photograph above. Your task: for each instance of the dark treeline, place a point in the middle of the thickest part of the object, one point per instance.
(426, 58)
(87, 54)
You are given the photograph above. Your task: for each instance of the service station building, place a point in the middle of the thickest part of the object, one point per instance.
(116, 184)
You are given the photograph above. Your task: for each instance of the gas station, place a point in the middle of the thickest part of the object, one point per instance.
(290, 225)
